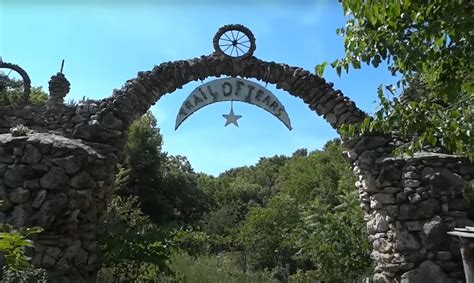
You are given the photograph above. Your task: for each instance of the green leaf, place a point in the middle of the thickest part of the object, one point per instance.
(320, 68)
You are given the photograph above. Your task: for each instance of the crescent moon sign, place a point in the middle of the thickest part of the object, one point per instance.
(232, 89)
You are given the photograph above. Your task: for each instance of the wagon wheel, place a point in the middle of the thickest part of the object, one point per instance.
(234, 41)
(5, 81)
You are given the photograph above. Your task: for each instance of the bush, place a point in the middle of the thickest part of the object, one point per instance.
(18, 268)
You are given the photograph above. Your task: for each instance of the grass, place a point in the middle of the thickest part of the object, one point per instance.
(212, 269)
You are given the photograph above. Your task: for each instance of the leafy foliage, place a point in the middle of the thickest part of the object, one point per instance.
(18, 268)
(132, 244)
(429, 44)
(294, 218)
(268, 234)
(11, 90)
(314, 228)
(166, 185)
(335, 241)
(297, 218)
(223, 267)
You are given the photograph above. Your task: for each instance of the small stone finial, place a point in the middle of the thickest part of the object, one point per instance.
(58, 89)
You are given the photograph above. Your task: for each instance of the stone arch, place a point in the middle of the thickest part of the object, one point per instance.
(140, 93)
(62, 180)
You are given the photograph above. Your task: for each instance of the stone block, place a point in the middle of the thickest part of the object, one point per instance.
(82, 180)
(428, 208)
(410, 183)
(39, 199)
(434, 233)
(444, 255)
(427, 272)
(413, 225)
(405, 241)
(31, 155)
(384, 198)
(19, 195)
(408, 212)
(55, 179)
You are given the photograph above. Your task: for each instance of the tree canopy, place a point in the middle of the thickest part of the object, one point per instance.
(429, 46)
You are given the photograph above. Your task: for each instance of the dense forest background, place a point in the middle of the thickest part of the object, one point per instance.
(285, 218)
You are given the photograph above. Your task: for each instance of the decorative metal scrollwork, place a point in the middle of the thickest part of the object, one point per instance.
(234, 41)
(25, 96)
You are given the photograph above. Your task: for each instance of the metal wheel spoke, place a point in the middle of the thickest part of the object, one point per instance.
(234, 41)
(244, 35)
(227, 48)
(227, 36)
(240, 50)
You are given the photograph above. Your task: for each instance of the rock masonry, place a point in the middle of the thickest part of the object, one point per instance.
(410, 204)
(63, 186)
(59, 176)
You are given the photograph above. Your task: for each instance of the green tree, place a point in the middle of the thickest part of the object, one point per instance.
(323, 174)
(429, 45)
(134, 249)
(139, 173)
(268, 235)
(166, 185)
(334, 240)
(11, 90)
(331, 238)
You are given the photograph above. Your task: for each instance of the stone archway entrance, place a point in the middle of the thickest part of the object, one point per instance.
(59, 175)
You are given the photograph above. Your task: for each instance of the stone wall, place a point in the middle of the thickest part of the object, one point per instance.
(106, 121)
(59, 176)
(410, 203)
(62, 185)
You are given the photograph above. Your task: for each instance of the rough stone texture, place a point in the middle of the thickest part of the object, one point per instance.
(59, 181)
(62, 182)
(410, 203)
(427, 272)
(377, 224)
(55, 179)
(434, 233)
(59, 196)
(105, 121)
(58, 89)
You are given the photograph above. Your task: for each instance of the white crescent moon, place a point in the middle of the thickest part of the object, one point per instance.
(236, 89)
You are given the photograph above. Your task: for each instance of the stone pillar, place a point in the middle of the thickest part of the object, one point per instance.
(62, 185)
(410, 203)
(58, 89)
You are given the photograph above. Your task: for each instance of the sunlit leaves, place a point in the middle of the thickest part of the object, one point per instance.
(13, 244)
(429, 42)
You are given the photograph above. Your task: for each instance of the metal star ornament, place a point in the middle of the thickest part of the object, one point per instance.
(231, 118)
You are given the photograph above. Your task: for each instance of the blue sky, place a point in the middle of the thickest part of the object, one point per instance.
(106, 44)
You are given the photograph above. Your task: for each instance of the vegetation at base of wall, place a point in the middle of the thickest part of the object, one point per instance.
(17, 264)
(134, 248)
